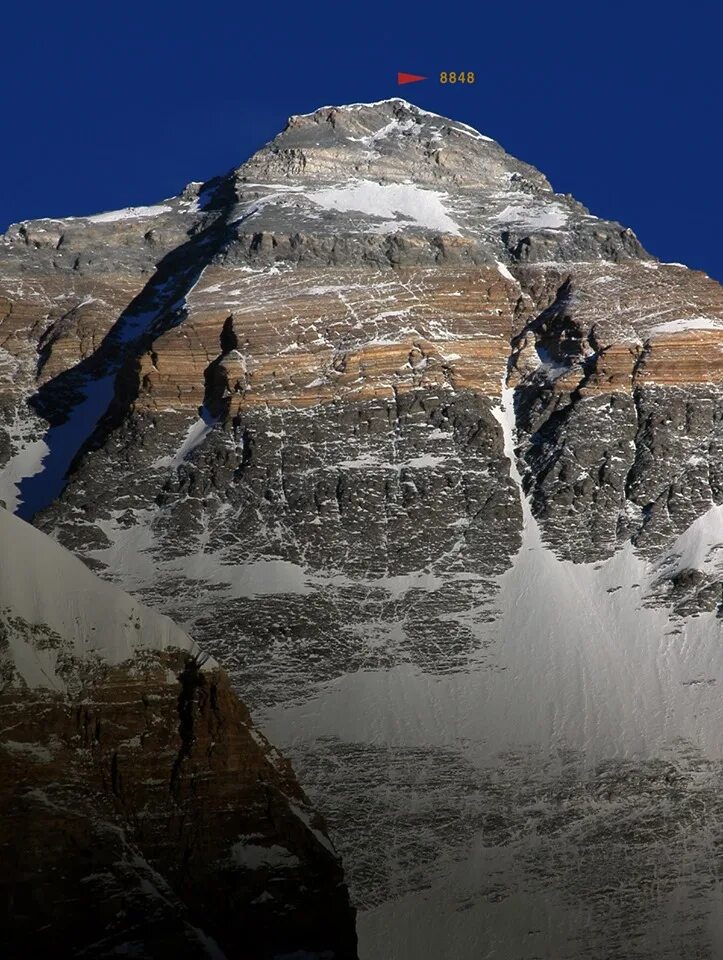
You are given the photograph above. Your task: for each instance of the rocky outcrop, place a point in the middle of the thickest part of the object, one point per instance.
(141, 811)
(619, 405)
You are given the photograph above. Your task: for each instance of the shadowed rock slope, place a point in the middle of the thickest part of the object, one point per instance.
(141, 813)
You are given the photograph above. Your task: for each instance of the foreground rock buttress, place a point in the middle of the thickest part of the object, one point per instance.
(140, 811)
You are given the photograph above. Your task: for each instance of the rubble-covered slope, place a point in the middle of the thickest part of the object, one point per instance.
(141, 811)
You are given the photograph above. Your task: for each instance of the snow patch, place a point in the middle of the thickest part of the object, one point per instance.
(394, 202)
(251, 856)
(305, 816)
(196, 434)
(687, 323)
(531, 216)
(395, 126)
(129, 213)
(505, 272)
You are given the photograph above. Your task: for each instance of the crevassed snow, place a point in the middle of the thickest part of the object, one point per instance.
(687, 323)
(44, 584)
(129, 213)
(391, 201)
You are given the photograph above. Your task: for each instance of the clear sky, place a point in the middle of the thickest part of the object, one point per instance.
(108, 104)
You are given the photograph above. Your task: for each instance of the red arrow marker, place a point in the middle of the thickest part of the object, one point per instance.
(408, 78)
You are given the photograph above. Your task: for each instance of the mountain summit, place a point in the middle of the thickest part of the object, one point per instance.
(392, 141)
(431, 458)
(379, 169)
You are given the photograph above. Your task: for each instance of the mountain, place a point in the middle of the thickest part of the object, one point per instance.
(141, 813)
(430, 457)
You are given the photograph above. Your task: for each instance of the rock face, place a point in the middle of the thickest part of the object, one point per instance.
(141, 811)
(431, 458)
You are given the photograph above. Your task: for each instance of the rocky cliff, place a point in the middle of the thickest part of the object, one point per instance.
(431, 456)
(142, 814)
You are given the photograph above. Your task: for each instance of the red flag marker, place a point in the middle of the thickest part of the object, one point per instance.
(408, 78)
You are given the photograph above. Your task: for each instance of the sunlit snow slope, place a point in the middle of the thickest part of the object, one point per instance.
(588, 740)
(45, 586)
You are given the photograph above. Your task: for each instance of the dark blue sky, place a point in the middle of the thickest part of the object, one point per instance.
(107, 104)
